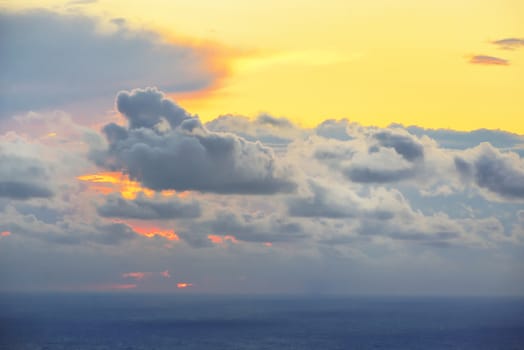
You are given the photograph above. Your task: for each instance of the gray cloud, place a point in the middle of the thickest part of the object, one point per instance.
(322, 203)
(186, 156)
(50, 59)
(65, 231)
(497, 172)
(372, 155)
(251, 228)
(405, 145)
(149, 209)
(374, 175)
(23, 178)
(509, 43)
(146, 108)
(273, 121)
(488, 60)
(453, 139)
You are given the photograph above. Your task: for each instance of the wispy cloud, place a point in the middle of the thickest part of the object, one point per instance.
(509, 43)
(488, 60)
(139, 275)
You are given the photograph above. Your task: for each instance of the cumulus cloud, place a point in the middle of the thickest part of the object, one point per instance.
(335, 129)
(375, 156)
(257, 228)
(273, 132)
(23, 178)
(490, 169)
(404, 144)
(149, 209)
(51, 59)
(184, 155)
(488, 60)
(509, 43)
(447, 138)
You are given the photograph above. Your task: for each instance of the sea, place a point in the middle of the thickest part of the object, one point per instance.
(156, 321)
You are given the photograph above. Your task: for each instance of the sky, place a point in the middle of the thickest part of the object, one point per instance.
(263, 147)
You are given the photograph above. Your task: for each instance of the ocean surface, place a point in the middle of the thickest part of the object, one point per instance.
(129, 321)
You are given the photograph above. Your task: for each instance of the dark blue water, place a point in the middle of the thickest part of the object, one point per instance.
(174, 322)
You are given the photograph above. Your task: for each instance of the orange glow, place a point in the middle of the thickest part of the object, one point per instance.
(138, 275)
(268, 244)
(135, 275)
(183, 285)
(152, 231)
(5, 234)
(119, 182)
(216, 239)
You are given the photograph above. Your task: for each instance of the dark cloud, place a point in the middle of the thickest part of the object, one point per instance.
(488, 60)
(367, 174)
(251, 228)
(146, 108)
(509, 43)
(23, 178)
(149, 209)
(273, 121)
(405, 145)
(245, 227)
(111, 234)
(186, 156)
(497, 172)
(67, 232)
(51, 59)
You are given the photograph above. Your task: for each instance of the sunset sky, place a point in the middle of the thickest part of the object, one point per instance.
(269, 146)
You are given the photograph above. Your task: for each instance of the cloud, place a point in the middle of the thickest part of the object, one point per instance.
(337, 201)
(52, 59)
(148, 107)
(273, 132)
(447, 138)
(253, 228)
(404, 144)
(149, 209)
(227, 225)
(184, 155)
(66, 232)
(509, 43)
(23, 178)
(499, 173)
(336, 129)
(488, 60)
(323, 203)
(138, 275)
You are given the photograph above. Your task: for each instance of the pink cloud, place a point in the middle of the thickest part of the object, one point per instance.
(488, 60)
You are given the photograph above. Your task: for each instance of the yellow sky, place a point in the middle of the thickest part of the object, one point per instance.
(373, 61)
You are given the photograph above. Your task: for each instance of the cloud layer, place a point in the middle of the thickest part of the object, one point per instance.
(79, 58)
(237, 204)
